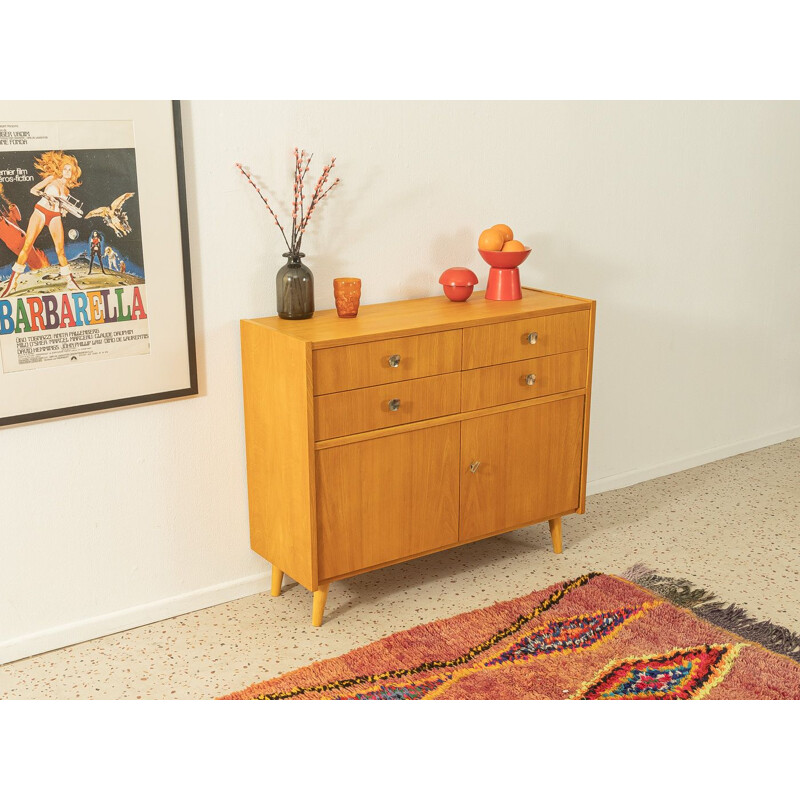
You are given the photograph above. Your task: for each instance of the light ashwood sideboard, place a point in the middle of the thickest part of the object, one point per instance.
(414, 427)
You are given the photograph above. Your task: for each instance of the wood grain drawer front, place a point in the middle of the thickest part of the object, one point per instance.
(523, 380)
(386, 499)
(375, 407)
(337, 369)
(525, 338)
(520, 466)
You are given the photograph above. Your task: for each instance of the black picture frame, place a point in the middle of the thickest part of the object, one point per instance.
(143, 116)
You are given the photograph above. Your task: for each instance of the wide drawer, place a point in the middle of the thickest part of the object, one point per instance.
(337, 369)
(525, 338)
(523, 380)
(375, 407)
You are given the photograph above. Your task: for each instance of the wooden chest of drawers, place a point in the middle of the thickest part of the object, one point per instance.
(414, 427)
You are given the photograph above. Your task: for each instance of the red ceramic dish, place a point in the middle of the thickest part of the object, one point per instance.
(497, 258)
(458, 283)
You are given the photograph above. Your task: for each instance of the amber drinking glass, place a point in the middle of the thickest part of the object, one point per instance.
(347, 294)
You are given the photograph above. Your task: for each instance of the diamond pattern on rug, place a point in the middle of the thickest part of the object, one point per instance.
(410, 691)
(558, 636)
(566, 634)
(681, 674)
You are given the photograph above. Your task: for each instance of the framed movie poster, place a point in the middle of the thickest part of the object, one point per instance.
(95, 282)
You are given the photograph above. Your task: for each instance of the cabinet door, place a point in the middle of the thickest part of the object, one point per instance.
(530, 466)
(386, 499)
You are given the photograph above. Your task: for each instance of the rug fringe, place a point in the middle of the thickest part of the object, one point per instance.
(709, 607)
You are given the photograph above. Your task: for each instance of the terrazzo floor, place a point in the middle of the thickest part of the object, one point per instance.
(732, 526)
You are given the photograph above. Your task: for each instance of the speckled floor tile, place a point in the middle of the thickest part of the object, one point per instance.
(732, 527)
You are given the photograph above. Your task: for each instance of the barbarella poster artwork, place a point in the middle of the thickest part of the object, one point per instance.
(75, 257)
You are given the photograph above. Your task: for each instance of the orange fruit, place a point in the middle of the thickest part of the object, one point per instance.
(513, 246)
(508, 234)
(491, 239)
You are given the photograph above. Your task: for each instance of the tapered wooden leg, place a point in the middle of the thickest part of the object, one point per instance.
(320, 596)
(277, 581)
(555, 533)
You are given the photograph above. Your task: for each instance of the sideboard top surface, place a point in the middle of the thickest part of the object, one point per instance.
(409, 317)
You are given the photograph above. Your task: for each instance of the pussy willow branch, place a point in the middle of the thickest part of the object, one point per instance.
(318, 195)
(300, 171)
(328, 189)
(316, 201)
(295, 198)
(266, 203)
(302, 178)
(323, 179)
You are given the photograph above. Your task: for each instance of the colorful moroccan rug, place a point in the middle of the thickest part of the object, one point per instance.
(637, 637)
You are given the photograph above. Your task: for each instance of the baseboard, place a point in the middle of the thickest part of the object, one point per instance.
(86, 629)
(635, 476)
(65, 635)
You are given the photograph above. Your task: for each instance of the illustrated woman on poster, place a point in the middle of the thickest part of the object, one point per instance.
(13, 236)
(111, 257)
(60, 173)
(95, 249)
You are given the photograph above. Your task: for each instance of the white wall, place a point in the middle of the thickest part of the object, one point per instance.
(679, 218)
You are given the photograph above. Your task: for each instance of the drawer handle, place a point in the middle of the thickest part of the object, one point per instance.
(394, 405)
(533, 337)
(394, 361)
(473, 467)
(530, 379)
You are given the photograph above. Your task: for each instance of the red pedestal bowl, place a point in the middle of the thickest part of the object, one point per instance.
(509, 260)
(504, 283)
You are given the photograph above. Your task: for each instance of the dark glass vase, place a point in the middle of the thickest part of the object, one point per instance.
(295, 288)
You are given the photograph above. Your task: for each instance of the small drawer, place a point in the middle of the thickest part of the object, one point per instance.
(343, 413)
(525, 338)
(338, 369)
(523, 380)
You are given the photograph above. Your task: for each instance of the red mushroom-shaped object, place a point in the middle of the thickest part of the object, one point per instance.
(458, 283)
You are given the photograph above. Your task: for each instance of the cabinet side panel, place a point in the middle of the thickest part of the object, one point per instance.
(277, 414)
(585, 454)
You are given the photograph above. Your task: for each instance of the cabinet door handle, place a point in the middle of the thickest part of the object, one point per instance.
(394, 405)
(473, 467)
(533, 337)
(530, 379)
(394, 361)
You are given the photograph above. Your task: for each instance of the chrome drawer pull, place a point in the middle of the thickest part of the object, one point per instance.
(394, 361)
(473, 467)
(533, 337)
(394, 405)
(530, 379)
